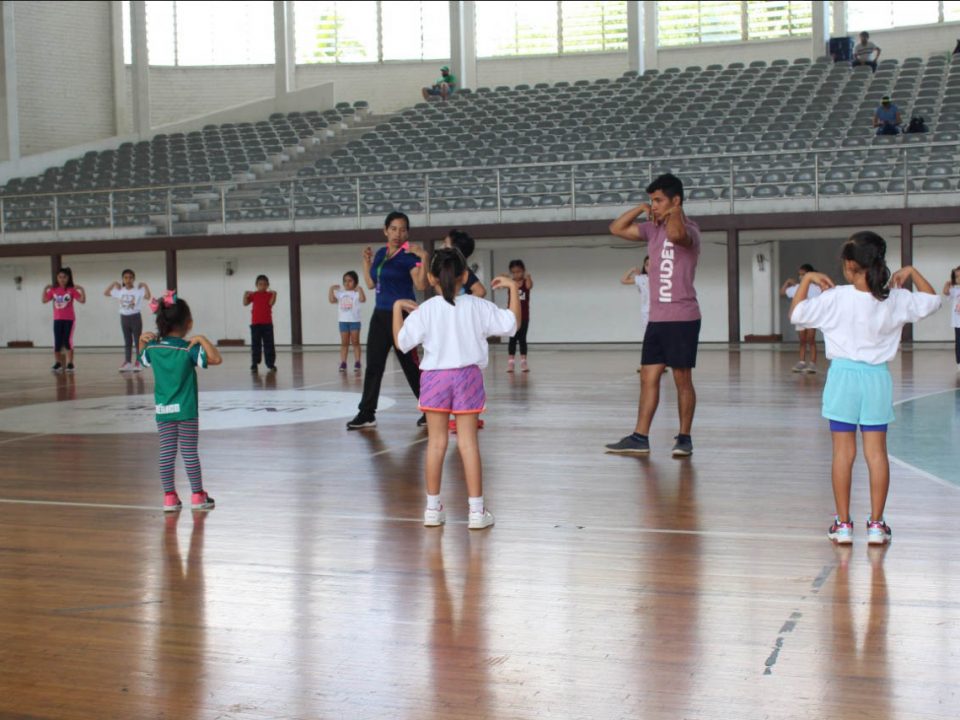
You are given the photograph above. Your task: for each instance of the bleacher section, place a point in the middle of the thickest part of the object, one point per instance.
(757, 133)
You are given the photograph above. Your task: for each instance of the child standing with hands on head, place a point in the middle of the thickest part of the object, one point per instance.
(952, 290)
(63, 295)
(524, 283)
(174, 359)
(861, 324)
(131, 322)
(261, 324)
(453, 330)
(349, 298)
(806, 336)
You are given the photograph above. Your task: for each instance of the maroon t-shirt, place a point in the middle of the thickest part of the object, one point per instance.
(673, 269)
(524, 294)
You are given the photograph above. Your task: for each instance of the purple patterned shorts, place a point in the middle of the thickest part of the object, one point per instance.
(458, 391)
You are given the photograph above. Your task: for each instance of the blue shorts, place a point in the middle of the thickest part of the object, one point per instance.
(857, 393)
(349, 327)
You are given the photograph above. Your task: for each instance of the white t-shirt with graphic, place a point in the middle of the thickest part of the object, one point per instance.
(643, 287)
(955, 304)
(130, 299)
(349, 305)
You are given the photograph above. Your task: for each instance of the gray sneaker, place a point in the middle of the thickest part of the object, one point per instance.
(683, 447)
(630, 446)
(800, 367)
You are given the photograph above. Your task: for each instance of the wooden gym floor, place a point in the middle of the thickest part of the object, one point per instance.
(610, 587)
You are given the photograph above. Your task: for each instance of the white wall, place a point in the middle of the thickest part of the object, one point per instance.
(935, 251)
(64, 73)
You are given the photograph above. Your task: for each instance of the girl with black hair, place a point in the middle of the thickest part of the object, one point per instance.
(952, 290)
(521, 277)
(453, 329)
(131, 299)
(63, 295)
(806, 336)
(174, 358)
(348, 298)
(861, 324)
(393, 272)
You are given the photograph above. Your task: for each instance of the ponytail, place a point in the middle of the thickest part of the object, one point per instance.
(868, 250)
(447, 265)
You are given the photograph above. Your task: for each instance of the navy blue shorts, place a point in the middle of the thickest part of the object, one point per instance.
(349, 327)
(673, 344)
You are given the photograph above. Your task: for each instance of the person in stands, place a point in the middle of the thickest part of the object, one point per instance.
(865, 52)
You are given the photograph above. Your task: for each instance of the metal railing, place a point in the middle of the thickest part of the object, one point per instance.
(893, 171)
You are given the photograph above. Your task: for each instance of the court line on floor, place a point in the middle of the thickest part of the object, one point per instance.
(22, 437)
(904, 464)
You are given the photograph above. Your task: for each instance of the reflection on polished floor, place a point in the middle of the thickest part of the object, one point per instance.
(610, 587)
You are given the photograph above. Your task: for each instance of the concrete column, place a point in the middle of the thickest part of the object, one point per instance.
(284, 41)
(839, 19)
(121, 117)
(906, 258)
(56, 262)
(821, 27)
(141, 69)
(9, 105)
(651, 58)
(463, 45)
(296, 303)
(635, 44)
(733, 286)
(171, 262)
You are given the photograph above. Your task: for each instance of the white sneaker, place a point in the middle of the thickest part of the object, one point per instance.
(138, 367)
(810, 369)
(480, 520)
(434, 518)
(126, 367)
(800, 367)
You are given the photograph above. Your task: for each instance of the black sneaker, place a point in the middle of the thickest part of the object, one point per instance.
(70, 368)
(57, 368)
(422, 420)
(253, 368)
(362, 421)
(683, 447)
(630, 446)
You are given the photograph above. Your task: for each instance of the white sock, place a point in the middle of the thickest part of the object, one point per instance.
(476, 504)
(433, 502)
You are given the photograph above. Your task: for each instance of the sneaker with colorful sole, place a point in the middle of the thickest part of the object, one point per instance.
(878, 532)
(841, 532)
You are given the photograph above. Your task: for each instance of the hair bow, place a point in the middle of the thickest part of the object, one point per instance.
(168, 299)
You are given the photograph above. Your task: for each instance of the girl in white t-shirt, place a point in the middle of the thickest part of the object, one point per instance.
(861, 324)
(640, 277)
(453, 330)
(131, 322)
(348, 298)
(952, 290)
(806, 336)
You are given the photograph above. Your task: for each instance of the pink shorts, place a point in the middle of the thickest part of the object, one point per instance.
(458, 391)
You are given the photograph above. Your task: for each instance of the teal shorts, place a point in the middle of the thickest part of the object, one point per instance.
(858, 393)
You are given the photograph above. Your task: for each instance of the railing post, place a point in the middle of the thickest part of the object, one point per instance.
(426, 196)
(56, 217)
(499, 199)
(359, 208)
(730, 187)
(816, 181)
(293, 204)
(113, 229)
(573, 192)
(223, 208)
(3, 220)
(170, 212)
(906, 176)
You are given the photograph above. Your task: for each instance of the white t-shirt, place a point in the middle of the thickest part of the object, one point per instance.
(812, 292)
(955, 304)
(455, 336)
(349, 308)
(130, 299)
(643, 286)
(857, 326)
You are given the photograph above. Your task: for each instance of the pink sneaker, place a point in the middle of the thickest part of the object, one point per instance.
(523, 366)
(137, 367)
(201, 501)
(510, 364)
(171, 503)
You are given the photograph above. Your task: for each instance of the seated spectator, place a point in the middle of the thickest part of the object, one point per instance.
(886, 118)
(444, 86)
(865, 52)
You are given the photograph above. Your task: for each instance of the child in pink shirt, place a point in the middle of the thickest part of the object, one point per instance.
(63, 295)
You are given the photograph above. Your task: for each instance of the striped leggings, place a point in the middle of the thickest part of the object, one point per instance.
(182, 434)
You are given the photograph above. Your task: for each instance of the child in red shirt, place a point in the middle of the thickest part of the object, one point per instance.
(261, 323)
